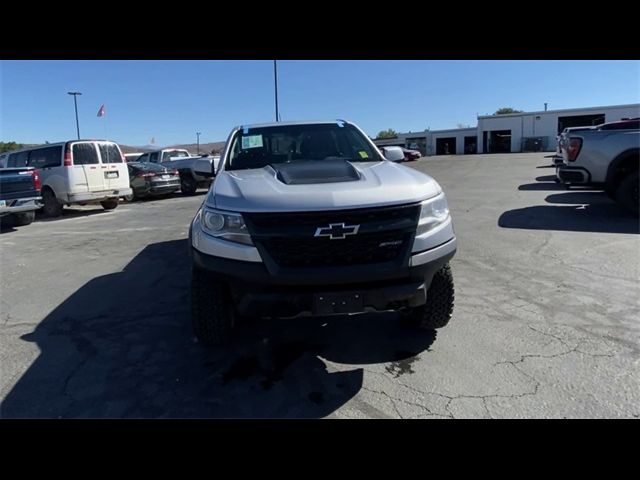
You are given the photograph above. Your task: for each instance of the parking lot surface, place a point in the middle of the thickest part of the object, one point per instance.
(95, 317)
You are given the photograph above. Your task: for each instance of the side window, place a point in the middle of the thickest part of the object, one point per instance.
(84, 154)
(46, 157)
(19, 159)
(3, 161)
(143, 158)
(154, 157)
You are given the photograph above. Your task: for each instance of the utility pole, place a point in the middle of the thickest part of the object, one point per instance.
(75, 102)
(275, 77)
(198, 141)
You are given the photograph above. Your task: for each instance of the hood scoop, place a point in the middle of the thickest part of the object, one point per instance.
(305, 172)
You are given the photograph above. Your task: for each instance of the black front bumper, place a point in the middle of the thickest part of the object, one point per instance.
(321, 291)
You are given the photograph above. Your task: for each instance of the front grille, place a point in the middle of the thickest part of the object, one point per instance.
(384, 235)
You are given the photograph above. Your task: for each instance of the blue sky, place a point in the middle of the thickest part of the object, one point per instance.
(171, 100)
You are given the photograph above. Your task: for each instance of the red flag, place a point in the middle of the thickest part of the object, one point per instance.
(101, 112)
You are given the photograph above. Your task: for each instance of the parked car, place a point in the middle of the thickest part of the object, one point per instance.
(407, 154)
(410, 155)
(605, 157)
(20, 194)
(132, 157)
(76, 172)
(310, 218)
(195, 171)
(151, 179)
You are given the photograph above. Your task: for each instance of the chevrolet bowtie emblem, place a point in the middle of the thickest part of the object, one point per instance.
(337, 231)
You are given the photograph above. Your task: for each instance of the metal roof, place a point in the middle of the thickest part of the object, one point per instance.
(577, 109)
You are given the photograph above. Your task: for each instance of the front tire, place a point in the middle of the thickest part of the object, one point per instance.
(109, 204)
(21, 219)
(51, 208)
(212, 312)
(437, 312)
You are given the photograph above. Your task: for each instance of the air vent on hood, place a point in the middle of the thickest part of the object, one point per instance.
(315, 171)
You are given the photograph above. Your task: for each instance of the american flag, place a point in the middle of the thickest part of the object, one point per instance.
(102, 111)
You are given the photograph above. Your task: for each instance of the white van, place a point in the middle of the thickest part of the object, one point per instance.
(77, 171)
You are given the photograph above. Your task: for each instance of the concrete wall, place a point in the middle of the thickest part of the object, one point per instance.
(545, 124)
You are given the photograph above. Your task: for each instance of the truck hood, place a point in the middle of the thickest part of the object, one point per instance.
(261, 190)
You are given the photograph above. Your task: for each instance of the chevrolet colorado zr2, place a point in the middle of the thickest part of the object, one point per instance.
(309, 218)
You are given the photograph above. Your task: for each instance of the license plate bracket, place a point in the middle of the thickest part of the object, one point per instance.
(344, 302)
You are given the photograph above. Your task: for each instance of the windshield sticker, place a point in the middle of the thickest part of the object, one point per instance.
(363, 154)
(252, 141)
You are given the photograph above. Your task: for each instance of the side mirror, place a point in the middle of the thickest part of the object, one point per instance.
(394, 154)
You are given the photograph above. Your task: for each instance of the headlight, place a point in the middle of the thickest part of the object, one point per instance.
(433, 212)
(227, 225)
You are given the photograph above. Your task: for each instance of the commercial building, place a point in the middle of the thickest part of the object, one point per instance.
(513, 132)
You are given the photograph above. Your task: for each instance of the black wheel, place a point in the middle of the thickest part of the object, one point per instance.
(437, 312)
(188, 184)
(627, 193)
(212, 311)
(51, 208)
(26, 218)
(109, 204)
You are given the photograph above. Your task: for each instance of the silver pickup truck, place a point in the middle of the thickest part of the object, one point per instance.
(607, 157)
(196, 171)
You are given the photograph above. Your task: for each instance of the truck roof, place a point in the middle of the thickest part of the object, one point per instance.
(279, 124)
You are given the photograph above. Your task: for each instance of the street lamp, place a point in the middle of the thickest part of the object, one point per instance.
(75, 102)
(275, 78)
(198, 141)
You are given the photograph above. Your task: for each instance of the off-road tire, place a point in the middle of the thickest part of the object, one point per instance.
(437, 312)
(52, 207)
(627, 193)
(212, 312)
(20, 219)
(188, 184)
(109, 204)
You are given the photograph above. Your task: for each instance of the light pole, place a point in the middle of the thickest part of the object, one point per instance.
(75, 102)
(275, 78)
(198, 141)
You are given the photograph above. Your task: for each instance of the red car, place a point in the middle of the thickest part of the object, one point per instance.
(410, 155)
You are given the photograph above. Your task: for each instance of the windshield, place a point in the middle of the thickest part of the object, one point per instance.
(258, 147)
(173, 154)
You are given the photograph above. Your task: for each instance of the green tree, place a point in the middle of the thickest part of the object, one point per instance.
(389, 133)
(9, 146)
(505, 110)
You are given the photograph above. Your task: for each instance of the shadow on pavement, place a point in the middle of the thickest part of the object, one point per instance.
(591, 212)
(546, 178)
(546, 166)
(542, 186)
(7, 225)
(71, 213)
(122, 346)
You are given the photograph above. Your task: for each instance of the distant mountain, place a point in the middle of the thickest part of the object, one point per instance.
(191, 147)
(204, 147)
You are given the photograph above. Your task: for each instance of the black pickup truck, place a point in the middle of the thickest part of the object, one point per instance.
(20, 194)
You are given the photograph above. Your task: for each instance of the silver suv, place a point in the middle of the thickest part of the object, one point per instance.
(310, 218)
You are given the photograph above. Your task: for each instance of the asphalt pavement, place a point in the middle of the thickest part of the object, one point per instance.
(94, 317)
